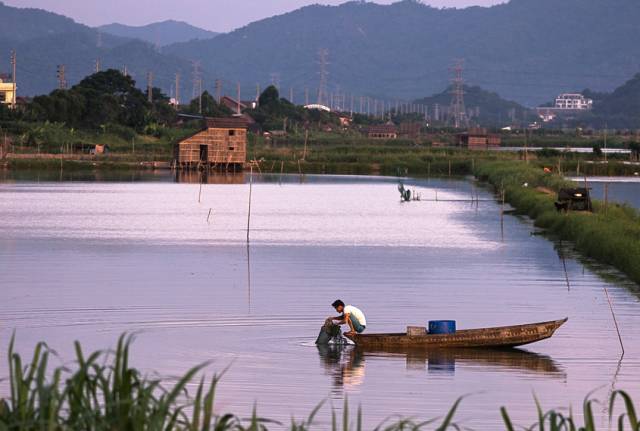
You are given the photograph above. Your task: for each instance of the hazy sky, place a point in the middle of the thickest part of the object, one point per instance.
(216, 15)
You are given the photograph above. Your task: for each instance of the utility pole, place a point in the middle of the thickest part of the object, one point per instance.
(291, 94)
(238, 99)
(125, 72)
(13, 78)
(218, 86)
(177, 90)
(200, 96)
(275, 80)
(61, 75)
(97, 65)
(605, 142)
(150, 87)
(457, 111)
(323, 62)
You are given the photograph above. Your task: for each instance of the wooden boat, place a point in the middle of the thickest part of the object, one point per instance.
(500, 337)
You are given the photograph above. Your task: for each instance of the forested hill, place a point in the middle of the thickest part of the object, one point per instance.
(159, 33)
(493, 110)
(525, 50)
(44, 40)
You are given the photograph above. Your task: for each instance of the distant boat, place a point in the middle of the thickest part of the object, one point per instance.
(499, 337)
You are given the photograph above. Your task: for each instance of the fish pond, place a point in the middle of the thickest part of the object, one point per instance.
(89, 258)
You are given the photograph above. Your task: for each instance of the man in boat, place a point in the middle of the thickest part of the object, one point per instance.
(349, 315)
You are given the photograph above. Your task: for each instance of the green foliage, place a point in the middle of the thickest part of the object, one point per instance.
(104, 392)
(102, 98)
(210, 107)
(276, 113)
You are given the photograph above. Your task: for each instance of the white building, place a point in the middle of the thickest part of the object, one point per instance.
(573, 101)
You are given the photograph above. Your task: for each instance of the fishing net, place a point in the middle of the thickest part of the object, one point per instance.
(330, 333)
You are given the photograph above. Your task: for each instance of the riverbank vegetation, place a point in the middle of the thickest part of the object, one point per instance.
(102, 391)
(610, 234)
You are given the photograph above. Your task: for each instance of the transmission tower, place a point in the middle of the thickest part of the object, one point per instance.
(60, 74)
(457, 112)
(97, 65)
(323, 62)
(196, 78)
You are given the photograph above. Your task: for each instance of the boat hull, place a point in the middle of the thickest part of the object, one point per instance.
(499, 337)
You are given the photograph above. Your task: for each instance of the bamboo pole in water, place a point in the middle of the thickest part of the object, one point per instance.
(249, 212)
(200, 191)
(615, 321)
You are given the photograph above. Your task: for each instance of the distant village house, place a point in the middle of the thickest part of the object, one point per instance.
(478, 139)
(383, 131)
(221, 144)
(7, 91)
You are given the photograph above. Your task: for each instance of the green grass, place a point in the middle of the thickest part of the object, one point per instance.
(103, 392)
(609, 235)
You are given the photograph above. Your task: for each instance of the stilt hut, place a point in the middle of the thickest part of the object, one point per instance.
(221, 144)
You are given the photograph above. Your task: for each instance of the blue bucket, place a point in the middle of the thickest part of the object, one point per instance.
(442, 327)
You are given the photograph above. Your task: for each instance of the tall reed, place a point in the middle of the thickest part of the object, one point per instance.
(103, 392)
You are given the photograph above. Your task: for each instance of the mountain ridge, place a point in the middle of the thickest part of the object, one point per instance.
(161, 33)
(407, 48)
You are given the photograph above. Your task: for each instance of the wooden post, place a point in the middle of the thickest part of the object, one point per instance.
(578, 169)
(200, 191)
(306, 138)
(606, 198)
(449, 167)
(209, 215)
(249, 212)
(428, 169)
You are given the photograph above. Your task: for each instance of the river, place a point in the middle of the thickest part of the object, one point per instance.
(87, 260)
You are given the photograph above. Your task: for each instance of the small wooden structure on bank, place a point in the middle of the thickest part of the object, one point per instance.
(382, 131)
(221, 144)
(578, 199)
(478, 139)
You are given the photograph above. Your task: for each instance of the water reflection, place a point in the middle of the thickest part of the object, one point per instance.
(346, 364)
(206, 177)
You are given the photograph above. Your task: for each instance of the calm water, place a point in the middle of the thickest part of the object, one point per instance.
(621, 189)
(89, 260)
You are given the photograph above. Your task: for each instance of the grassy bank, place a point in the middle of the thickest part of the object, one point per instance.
(103, 392)
(611, 234)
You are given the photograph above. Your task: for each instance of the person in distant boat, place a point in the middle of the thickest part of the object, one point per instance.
(349, 315)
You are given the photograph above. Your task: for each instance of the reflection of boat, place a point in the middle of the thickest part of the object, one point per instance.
(445, 360)
(505, 336)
